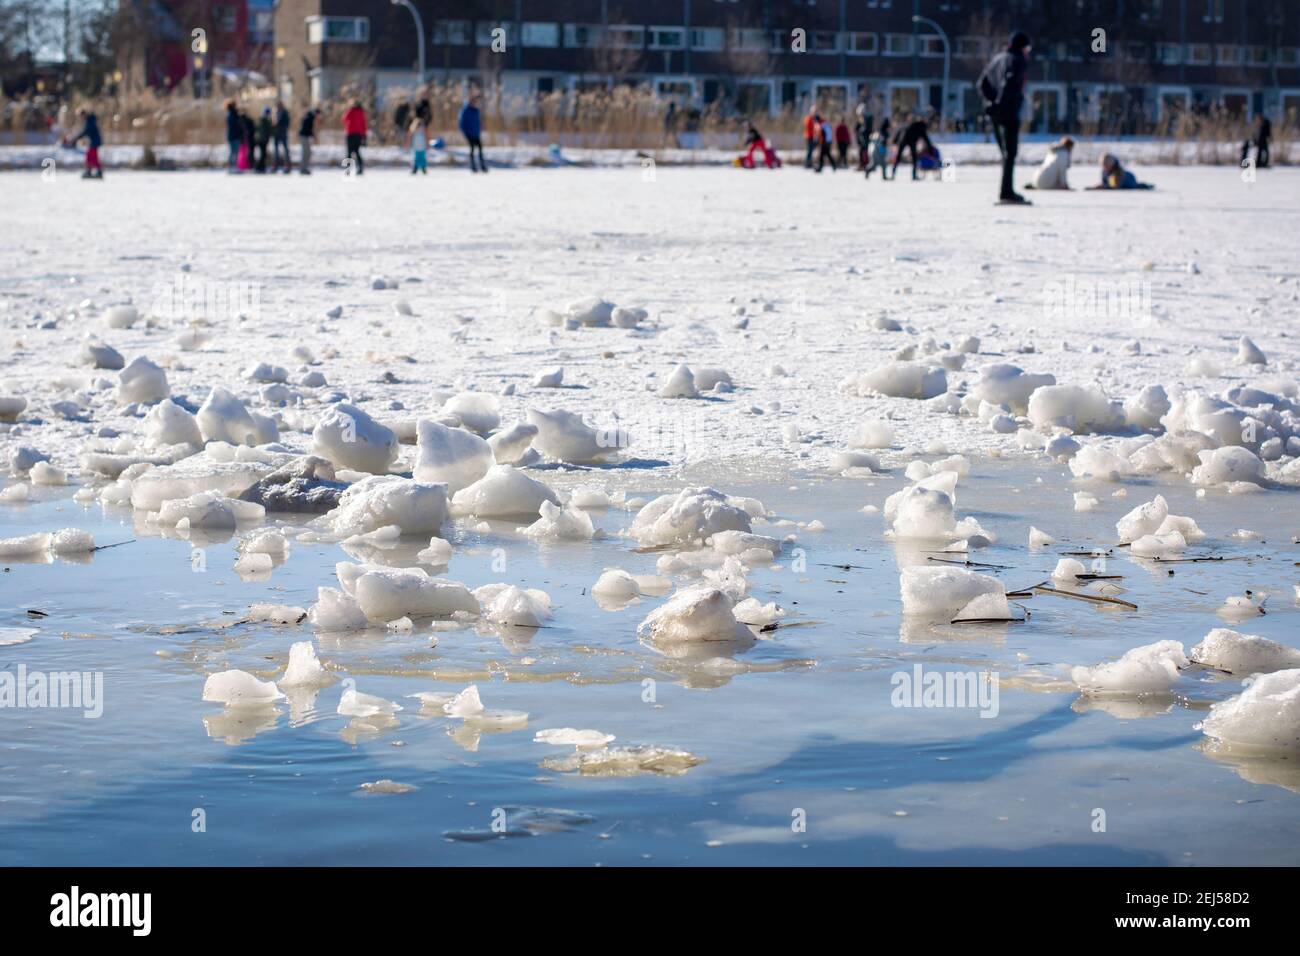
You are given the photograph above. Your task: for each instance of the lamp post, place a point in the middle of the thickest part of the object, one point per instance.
(947, 59)
(419, 35)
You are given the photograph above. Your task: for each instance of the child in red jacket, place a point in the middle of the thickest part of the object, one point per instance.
(354, 128)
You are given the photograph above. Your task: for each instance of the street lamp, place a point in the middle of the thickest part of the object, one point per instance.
(947, 59)
(419, 35)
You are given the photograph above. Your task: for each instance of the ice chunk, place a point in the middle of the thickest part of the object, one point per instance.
(1079, 409)
(254, 565)
(352, 439)
(939, 594)
(1145, 409)
(121, 316)
(680, 384)
(1039, 539)
(1083, 501)
(378, 501)
(43, 473)
(755, 613)
(223, 417)
(592, 311)
(1248, 353)
(142, 382)
(169, 424)
(1228, 464)
(1067, 571)
(514, 606)
(904, 380)
(478, 411)
(872, 433)
(1009, 385)
(566, 437)
(511, 445)
(337, 610)
(353, 703)
(25, 546)
(305, 484)
(209, 510)
(1150, 669)
(693, 614)
(1163, 545)
(1143, 520)
(236, 688)
(1265, 716)
(453, 456)
(11, 406)
(465, 704)
(276, 613)
(615, 585)
(549, 378)
(503, 492)
(688, 517)
(385, 594)
(1243, 653)
(438, 553)
(1098, 463)
(98, 355)
(305, 669)
(572, 737)
(561, 524)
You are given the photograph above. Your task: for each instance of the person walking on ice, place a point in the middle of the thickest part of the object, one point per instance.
(1002, 85)
(471, 127)
(306, 134)
(354, 128)
(417, 139)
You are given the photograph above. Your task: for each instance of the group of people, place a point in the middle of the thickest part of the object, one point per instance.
(1054, 171)
(827, 145)
(249, 139)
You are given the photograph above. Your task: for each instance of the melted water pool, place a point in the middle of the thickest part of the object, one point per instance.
(806, 760)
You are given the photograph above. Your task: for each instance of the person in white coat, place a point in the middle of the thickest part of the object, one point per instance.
(1054, 173)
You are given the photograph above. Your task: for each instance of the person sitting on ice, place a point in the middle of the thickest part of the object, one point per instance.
(1115, 176)
(756, 143)
(1054, 173)
(930, 161)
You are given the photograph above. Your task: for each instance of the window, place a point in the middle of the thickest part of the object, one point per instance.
(861, 44)
(970, 47)
(1199, 54)
(823, 41)
(225, 17)
(1257, 55)
(1230, 55)
(540, 34)
(1288, 56)
(626, 37)
(1169, 54)
(338, 29)
(707, 38)
(667, 38)
(898, 44)
(483, 33)
(581, 34)
(927, 44)
(1213, 11)
(752, 41)
(261, 26)
(451, 32)
(1137, 52)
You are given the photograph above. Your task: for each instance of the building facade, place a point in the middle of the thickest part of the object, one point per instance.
(1127, 63)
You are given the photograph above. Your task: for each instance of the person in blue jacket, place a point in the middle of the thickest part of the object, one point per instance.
(90, 133)
(471, 127)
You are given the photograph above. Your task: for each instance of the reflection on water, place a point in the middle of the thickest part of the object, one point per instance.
(715, 744)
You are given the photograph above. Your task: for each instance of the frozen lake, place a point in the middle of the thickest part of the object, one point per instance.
(791, 746)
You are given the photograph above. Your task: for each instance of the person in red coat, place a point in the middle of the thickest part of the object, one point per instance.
(354, 128)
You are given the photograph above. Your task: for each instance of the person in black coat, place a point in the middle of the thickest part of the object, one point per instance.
(234, 134)
(1002, 85)
(910, 137)
(306, 136)
(280, 132)
(1263, 134)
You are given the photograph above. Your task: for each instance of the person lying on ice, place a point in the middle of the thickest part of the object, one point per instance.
(1115, 176)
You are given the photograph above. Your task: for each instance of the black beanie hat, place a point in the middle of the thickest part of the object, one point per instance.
(1019, 40)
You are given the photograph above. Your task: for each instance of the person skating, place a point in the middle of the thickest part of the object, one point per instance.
(914, 135)
(1263, 134)
(90, 133)
(825, 152)
(1002, 85)
(842, 140)
(811, 128)
(417, 139)
(862, 129)
(306, 135)
(280, 133)
(265, 129)
(234, 135)
(354, 129)
(471, 127)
